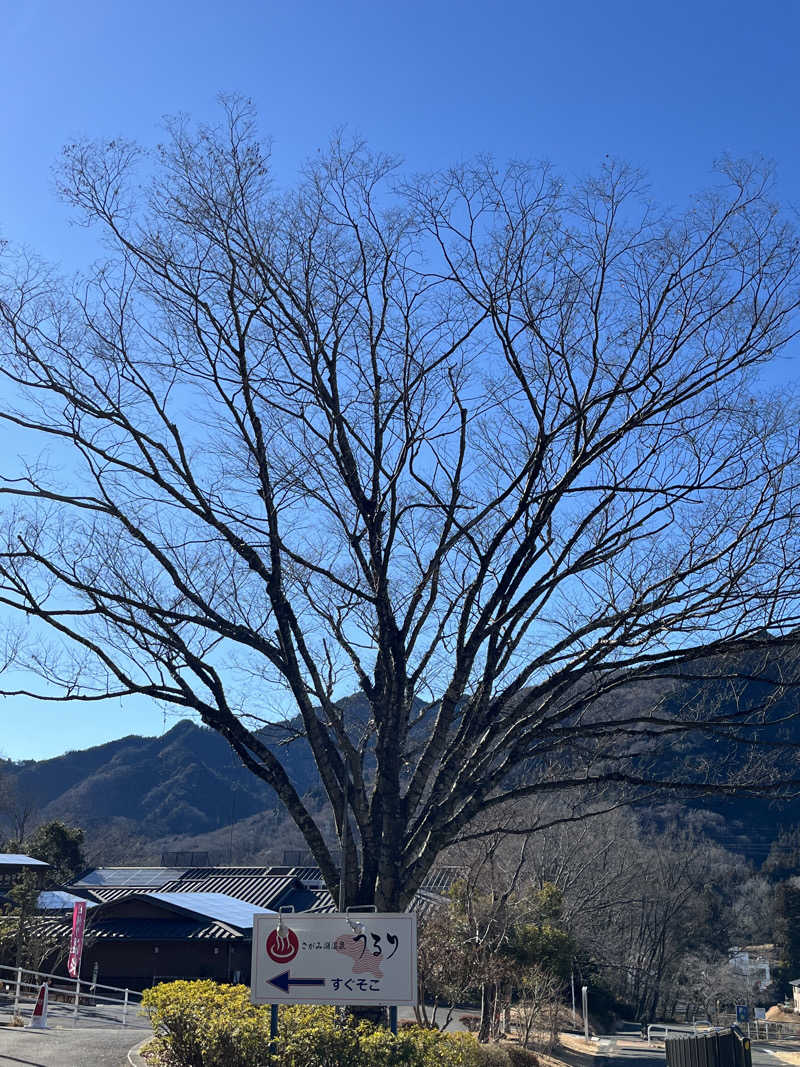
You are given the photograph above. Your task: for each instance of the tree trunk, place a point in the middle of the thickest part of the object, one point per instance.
(487, 1004)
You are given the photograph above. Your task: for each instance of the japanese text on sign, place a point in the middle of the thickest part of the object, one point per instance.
(353, 958)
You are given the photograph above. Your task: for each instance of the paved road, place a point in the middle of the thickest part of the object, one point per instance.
(632, 1050)
(66, 1048)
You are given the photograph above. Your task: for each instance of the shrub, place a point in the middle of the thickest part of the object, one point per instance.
(522, 1057)
(202, 1024)
(492, 1056)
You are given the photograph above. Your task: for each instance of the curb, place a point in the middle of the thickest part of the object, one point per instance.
(134, 1059)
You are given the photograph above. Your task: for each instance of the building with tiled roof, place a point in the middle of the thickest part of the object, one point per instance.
(143, 938)
(151, 924)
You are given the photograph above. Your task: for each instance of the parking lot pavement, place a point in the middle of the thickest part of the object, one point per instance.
(66, 1048)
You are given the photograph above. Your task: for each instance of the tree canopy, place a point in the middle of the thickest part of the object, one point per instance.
(61, 846)
(484, 447)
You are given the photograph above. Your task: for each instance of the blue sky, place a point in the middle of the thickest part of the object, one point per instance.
(667, 87)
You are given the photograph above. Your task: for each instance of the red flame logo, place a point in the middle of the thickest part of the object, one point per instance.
(282, 946)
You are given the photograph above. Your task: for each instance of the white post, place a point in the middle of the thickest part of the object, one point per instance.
(17, 990)
(585, 1003)
(77, 1002)
(125, 1009)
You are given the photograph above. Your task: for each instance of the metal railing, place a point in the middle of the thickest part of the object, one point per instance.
(659, 1031)
(75, 997)
(763, 1029)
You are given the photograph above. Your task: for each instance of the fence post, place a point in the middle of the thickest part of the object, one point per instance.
(125, 1009)
(17, 990)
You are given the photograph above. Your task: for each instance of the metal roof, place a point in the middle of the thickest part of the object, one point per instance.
(16, 859)
(193, 873)
(307, 874)
(217, 906)
(425, 902)
(263, 892)
(103, 894)
(324, 904)
(438, 879)
(256, 888)
(174, 929)
(57, 899)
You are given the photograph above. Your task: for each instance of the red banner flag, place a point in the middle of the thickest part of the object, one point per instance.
(76, 941)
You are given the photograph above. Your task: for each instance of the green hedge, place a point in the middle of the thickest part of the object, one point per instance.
(202, 1024)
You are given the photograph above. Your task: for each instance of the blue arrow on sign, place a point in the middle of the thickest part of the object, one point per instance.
(282, 981)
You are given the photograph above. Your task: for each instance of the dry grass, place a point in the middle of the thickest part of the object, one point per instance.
(551, 1061)
(576, 1043)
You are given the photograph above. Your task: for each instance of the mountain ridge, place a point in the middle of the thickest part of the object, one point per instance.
(186, 789)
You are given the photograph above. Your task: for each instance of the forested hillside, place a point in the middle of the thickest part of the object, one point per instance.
(138, 796)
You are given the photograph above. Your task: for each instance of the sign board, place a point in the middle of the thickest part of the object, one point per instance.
(742, 1013)
(761, 1014)
(352, 958)
(76, 941)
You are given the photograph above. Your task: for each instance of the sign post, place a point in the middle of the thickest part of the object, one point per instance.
(344, 958)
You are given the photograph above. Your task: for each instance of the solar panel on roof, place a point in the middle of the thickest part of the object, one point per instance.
(131, 876)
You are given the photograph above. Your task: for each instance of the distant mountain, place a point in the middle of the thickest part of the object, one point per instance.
(187, 789)
(186, 782)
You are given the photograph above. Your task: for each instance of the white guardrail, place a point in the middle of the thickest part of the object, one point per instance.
(757, 1029)
(100, 1004)
(659, 1031)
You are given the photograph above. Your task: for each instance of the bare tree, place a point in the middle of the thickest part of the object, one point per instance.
(537, 1012)
(482, 447)
(17, 810)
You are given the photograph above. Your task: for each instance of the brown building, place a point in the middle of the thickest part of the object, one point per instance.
(140, 939)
